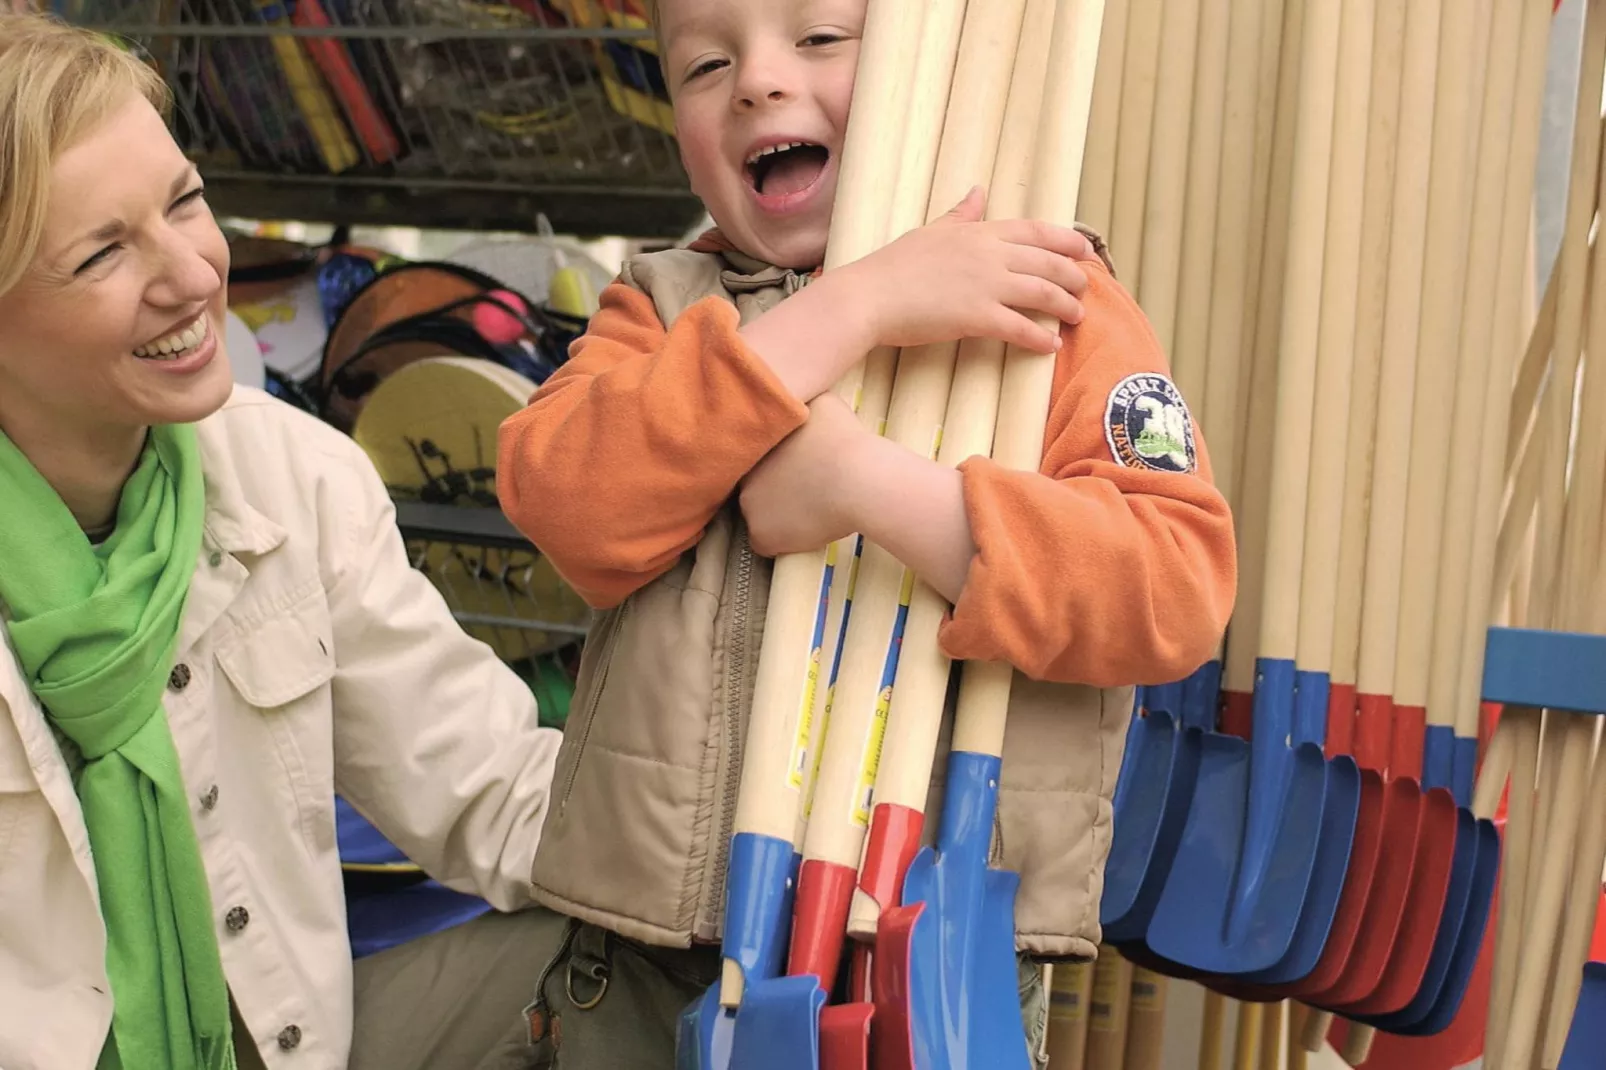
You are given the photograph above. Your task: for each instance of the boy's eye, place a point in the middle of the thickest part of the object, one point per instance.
(708, 66)
(189, 198)
(815, 40)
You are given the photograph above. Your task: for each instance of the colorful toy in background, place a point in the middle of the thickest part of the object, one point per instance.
(631, 73)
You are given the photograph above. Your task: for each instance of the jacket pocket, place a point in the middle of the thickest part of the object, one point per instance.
(281, 665)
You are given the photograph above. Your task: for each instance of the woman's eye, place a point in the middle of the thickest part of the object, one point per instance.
(98, 258)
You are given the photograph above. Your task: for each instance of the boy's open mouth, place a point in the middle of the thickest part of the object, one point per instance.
(781, 170)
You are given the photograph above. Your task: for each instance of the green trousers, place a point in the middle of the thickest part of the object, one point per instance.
(606, 1003)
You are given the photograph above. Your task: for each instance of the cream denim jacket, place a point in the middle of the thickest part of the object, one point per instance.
(303, 607)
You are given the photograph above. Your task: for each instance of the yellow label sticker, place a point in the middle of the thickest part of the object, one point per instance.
(864, 794)
(811, 678)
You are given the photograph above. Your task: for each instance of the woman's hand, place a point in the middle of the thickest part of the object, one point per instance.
(958, 277)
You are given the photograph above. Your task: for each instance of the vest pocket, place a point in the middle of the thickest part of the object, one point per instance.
(593, 680)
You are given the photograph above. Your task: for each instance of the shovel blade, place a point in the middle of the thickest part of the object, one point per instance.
(962, 978)
(1340, 810)
(892, 1043)
(763, 872)
(1207, 900)
(964, 988)
(778, 1026)
(1374, 941)
(1425, 905)
(845, 1036)
(1146, 799)
(1587, 1037)
(1356, 893)
(703, 1039)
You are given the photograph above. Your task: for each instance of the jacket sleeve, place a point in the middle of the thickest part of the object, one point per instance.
(436, 741)
(1115, 563)
(623, 457)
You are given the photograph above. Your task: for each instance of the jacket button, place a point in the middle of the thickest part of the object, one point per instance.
(179, 678)
(209, 800)
(290, 1037)
(237, 919)
(214, 559)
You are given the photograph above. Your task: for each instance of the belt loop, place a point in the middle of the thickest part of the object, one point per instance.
(536, 1013)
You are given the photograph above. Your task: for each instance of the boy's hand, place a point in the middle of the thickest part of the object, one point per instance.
(958, 277)
(792, 499)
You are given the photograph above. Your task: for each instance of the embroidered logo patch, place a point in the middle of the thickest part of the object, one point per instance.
(1147, 426)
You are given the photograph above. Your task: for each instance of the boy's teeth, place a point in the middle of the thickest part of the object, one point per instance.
(175, 345)
(774, 149)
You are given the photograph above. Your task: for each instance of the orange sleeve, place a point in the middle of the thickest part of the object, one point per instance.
(1115, 564)
(624, 455)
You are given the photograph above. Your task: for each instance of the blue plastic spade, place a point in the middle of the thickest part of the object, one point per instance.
(962, 980)
(1152, 794)
(1336, 840)
(1586, 1040)
(762, 876)
(1237, 890)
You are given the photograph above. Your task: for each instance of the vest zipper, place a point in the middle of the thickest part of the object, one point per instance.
(601, 682)
(735, 674)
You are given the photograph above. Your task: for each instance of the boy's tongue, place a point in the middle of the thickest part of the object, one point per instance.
(794, 172)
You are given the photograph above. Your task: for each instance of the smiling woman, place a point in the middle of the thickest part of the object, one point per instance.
(110, 263)
(204, 597)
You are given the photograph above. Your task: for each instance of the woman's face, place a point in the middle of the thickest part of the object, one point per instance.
(118, 321)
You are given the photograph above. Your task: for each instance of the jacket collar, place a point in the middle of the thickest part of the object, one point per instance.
(233, 524)
(745, 272)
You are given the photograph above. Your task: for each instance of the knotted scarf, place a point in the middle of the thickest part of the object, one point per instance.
(95, 629)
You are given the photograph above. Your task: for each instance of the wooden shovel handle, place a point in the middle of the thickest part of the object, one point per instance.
(1029, 377)
(971, 396)
(772, 776)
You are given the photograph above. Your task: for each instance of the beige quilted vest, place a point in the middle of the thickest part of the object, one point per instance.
(646, 782)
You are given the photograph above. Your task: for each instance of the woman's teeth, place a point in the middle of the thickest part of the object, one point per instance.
(175, 345)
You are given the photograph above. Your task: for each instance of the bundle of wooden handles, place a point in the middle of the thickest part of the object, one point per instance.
(950, 95)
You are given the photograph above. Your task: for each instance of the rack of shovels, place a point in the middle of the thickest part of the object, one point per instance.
(826, 864)
(1325, 211)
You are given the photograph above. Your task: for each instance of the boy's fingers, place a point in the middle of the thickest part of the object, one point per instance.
(1032, 293)
(1015, 329)
(969, 210)
(1066, 241)
(1063, 271)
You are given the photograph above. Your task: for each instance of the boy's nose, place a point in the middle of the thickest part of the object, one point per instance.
(766, 81)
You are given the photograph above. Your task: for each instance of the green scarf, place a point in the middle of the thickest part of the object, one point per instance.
(96, 629)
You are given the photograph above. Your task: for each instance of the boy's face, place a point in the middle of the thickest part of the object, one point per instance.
(761, 91)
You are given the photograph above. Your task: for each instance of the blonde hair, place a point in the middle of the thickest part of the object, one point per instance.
(57, 83)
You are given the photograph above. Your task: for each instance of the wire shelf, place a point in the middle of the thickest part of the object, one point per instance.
(459, 114)
(498, 586)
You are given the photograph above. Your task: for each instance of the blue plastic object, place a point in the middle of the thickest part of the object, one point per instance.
(1249, 850)
(1586, 1041)
(762, 877)
(962, 977)
(1554, 670)
(389, 900)
(1340, 810)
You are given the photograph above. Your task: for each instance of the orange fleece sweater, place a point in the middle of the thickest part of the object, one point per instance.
(1089, 571)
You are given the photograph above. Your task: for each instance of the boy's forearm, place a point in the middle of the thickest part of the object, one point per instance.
(913, 508)
(812, 338)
